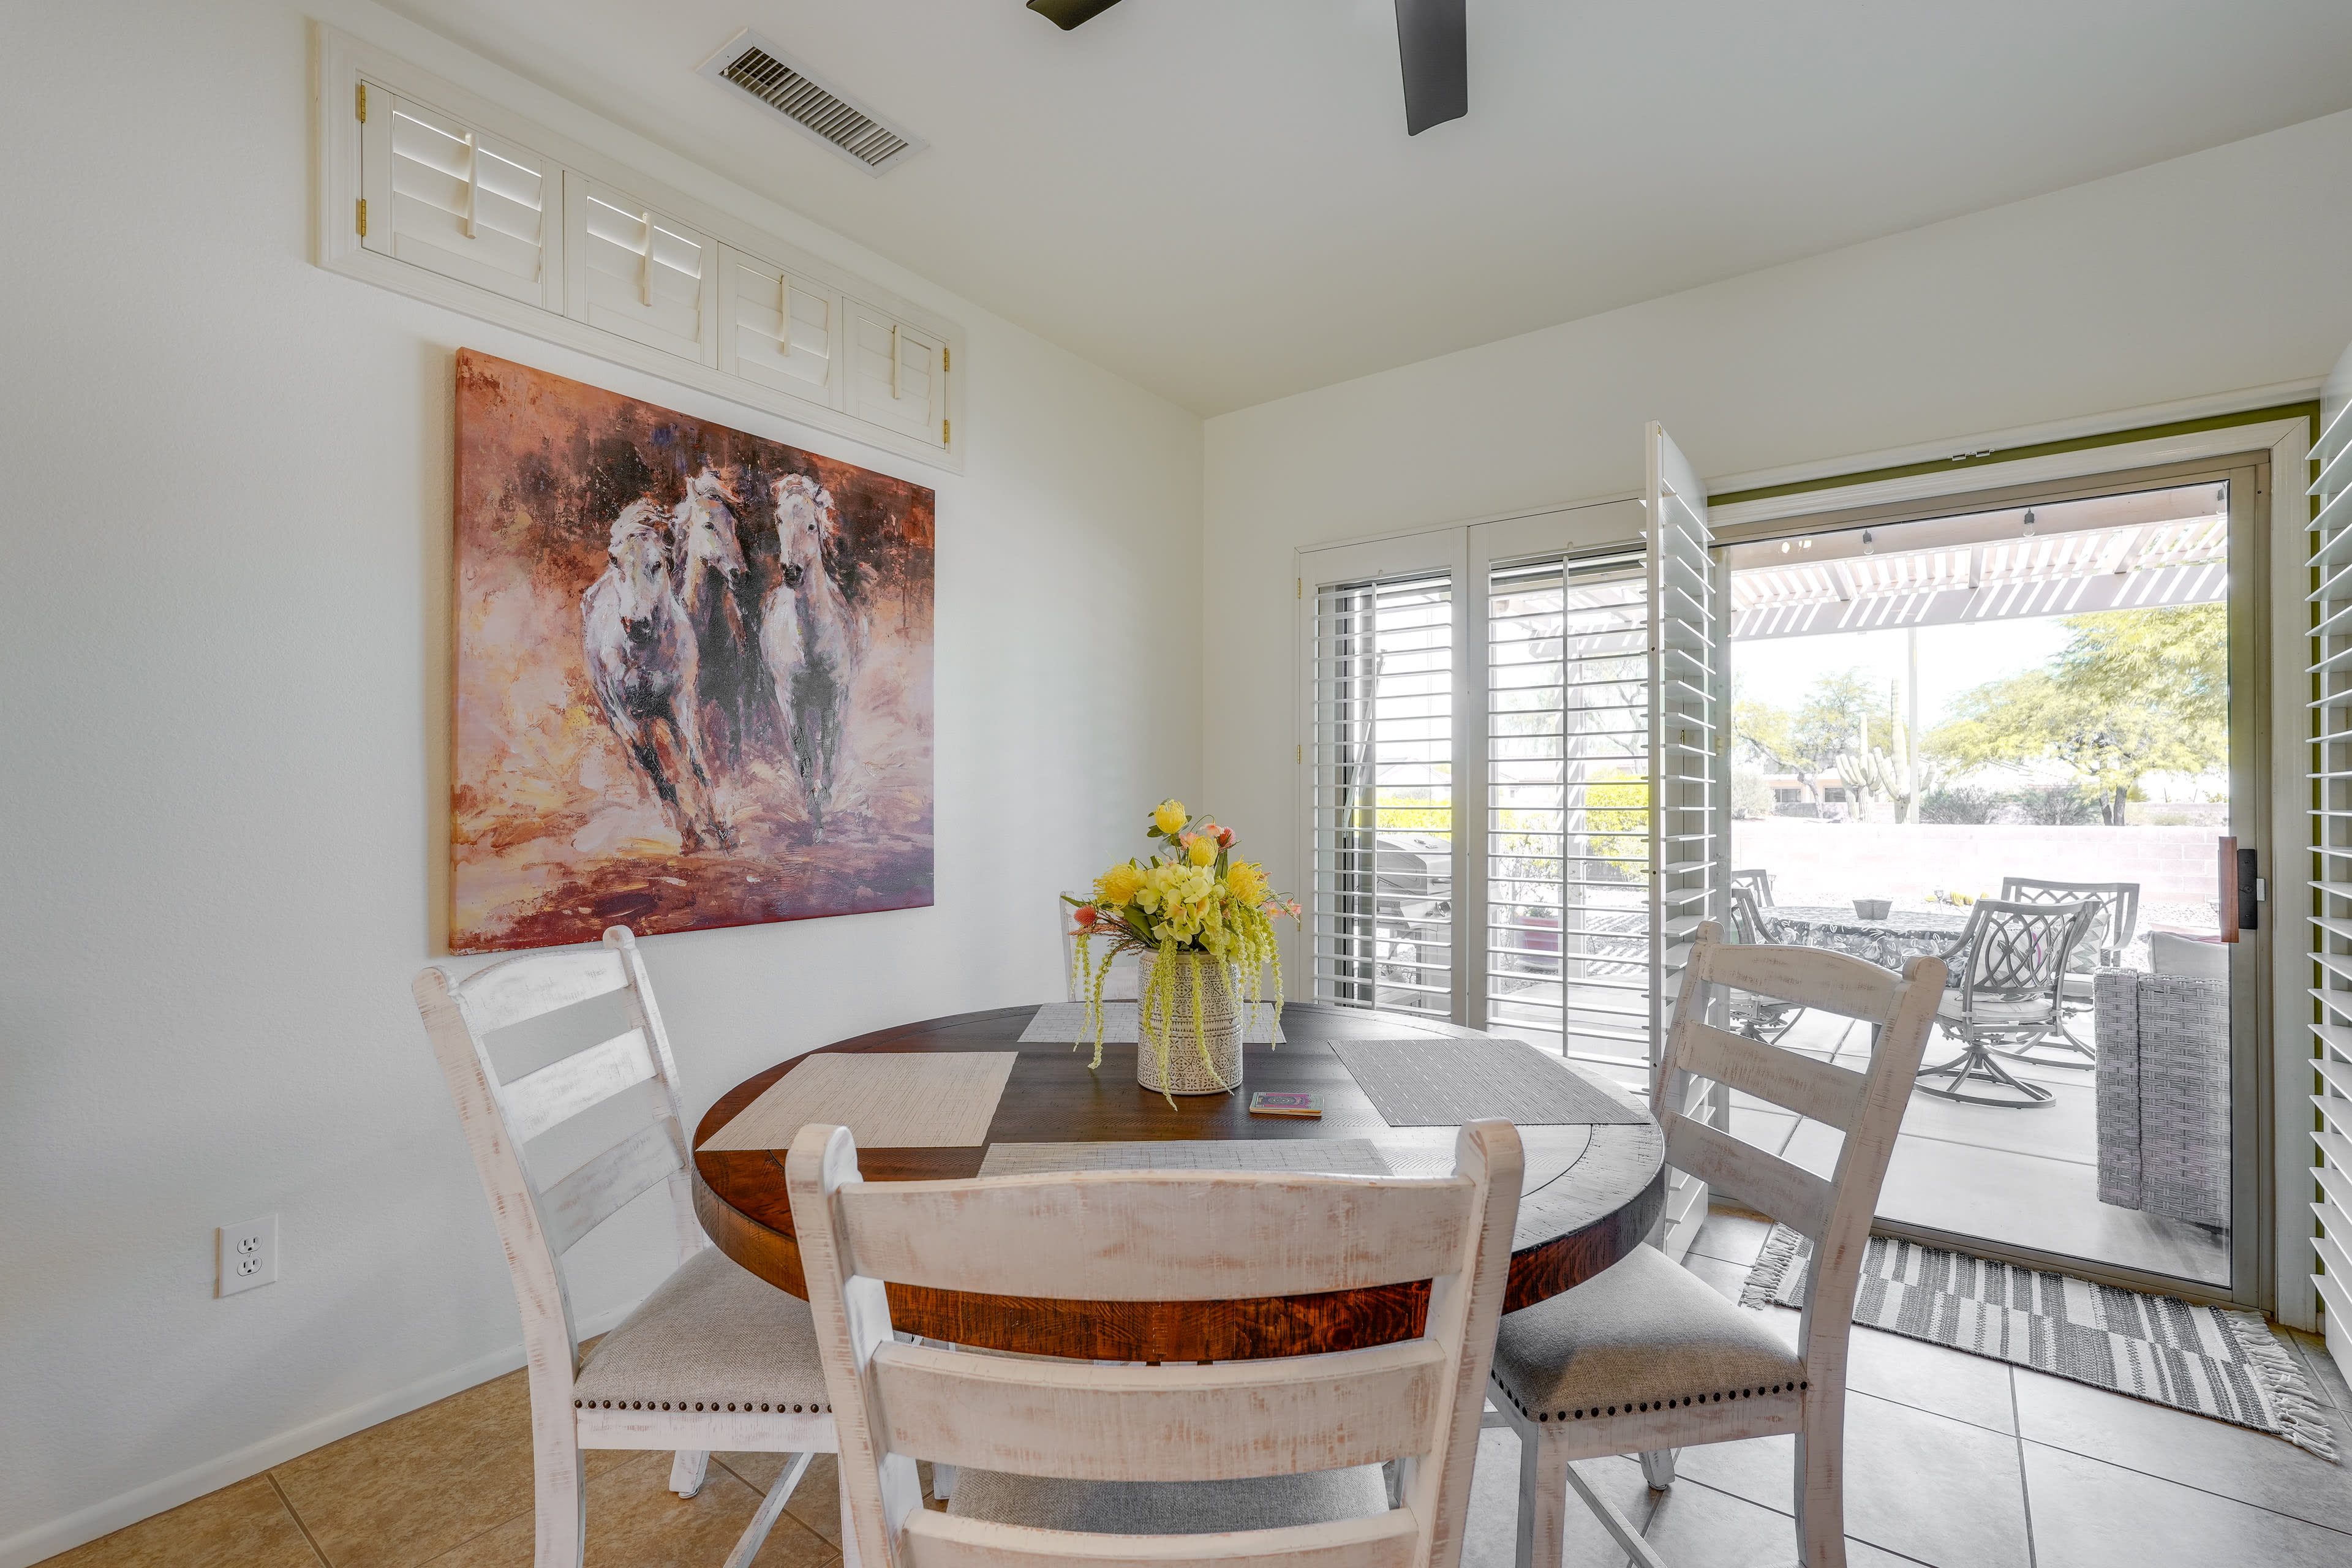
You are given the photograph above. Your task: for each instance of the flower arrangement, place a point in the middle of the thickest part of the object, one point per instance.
(1195, 904)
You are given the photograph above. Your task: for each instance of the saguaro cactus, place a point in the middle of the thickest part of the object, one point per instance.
(1891, 775)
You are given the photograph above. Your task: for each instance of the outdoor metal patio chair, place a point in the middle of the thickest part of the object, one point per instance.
(1761, 1018)
(2100, 947)
(1758, 882)
(2010, 965)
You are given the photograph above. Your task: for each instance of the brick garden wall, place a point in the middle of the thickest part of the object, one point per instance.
(1830, 862)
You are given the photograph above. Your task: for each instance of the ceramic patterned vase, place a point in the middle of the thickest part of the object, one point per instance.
(1191, 1070)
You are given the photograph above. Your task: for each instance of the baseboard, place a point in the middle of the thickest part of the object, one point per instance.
(46, 1541)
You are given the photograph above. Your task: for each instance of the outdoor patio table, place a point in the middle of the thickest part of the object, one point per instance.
(1904, 933)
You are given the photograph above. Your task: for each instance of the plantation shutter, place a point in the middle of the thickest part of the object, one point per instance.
(756, 302)
(450, 197)
(637, 273)
(1380, 776)
(2331, 674)
(1567, 956)
(897, 375)
(1689, 768)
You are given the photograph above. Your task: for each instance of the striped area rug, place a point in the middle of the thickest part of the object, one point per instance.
(2209, 1360)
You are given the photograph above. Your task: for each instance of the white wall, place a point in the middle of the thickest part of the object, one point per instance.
(2211, 273)
(227, 530)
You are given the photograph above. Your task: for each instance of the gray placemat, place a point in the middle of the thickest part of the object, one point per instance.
(1444, 1083)
(1060, 1023)
(1340, 1157)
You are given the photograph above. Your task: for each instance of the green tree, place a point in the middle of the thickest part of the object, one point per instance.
(1844, 709)
(2132, 693)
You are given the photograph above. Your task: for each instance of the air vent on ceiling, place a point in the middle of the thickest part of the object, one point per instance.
(756, 66)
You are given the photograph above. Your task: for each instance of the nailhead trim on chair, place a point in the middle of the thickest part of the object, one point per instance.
(1734, 1393)
(713, 1406)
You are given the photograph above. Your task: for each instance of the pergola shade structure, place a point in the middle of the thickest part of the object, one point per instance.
(2145, 550)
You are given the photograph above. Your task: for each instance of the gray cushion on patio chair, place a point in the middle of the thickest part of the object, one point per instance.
(1170, 1507)
(2168, 953)
(2164, 1095)
(712, 1336)
(1645, 1331)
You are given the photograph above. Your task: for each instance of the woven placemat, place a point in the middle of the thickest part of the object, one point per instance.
(1330, 1156)
(887, 1100)
(1062, 1023)
(1444, 1083)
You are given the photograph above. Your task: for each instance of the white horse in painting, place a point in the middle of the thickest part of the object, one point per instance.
(711, 575)
(641, 663)
(809, 640)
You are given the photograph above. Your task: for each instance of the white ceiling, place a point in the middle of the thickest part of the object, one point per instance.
(1217, 199)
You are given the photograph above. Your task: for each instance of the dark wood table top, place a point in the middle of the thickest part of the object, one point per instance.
(1592, 1192)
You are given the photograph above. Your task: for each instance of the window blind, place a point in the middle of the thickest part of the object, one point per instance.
(1381, 918)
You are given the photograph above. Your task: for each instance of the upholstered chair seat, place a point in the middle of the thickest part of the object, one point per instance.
(1170, 1507)
(1644, 1334)
(712, 1337)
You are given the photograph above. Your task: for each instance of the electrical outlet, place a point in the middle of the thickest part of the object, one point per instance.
(249, 1255)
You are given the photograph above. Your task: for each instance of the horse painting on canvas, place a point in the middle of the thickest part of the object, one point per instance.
(693, 673)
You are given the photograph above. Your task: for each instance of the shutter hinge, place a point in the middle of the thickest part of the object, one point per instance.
(362, 105)
(1301, 750)
(945, 355)
(1298, 587)
(944, 432)
(363, 217)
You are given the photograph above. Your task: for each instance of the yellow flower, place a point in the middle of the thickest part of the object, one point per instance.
(1170, 815)
(1246, 882)
(1203, 851)
(1119, 884)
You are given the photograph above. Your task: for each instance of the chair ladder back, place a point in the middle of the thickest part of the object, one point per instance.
(551, 1344)
(1818, 1090)
(1834, 1273)
(1155, 1235)
(1833, 982)
(1416, 1401)
(538, 1223)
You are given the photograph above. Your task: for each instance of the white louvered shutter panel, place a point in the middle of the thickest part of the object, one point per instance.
(909, 395)
(448, 196)
(640, 274)
(756, 300)
(1689, 774)
(2332, 859)
(1567, 851)
(1380, 772)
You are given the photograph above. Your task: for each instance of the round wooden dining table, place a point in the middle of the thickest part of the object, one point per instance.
(1592, 1192)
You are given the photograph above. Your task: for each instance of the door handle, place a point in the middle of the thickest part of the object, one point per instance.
(2242, 908)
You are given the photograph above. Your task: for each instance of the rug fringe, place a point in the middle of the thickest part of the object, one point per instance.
(2302, 1418)
(1771, 1266)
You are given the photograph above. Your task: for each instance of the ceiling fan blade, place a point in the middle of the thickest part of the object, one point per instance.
(1068, 14)
(1434, 42)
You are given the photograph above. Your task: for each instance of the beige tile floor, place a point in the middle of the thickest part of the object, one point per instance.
(1953, 1461)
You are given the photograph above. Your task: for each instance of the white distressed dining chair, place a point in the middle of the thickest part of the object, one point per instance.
(1646, 1358)
(1072, 1462)
(715, 1358)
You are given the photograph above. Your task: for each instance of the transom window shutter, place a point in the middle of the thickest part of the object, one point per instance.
(1688, 819)
(1380, 776)
(641, 274)
(451, 197)
(895, 375)
(778, 327)
(2331, 674)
